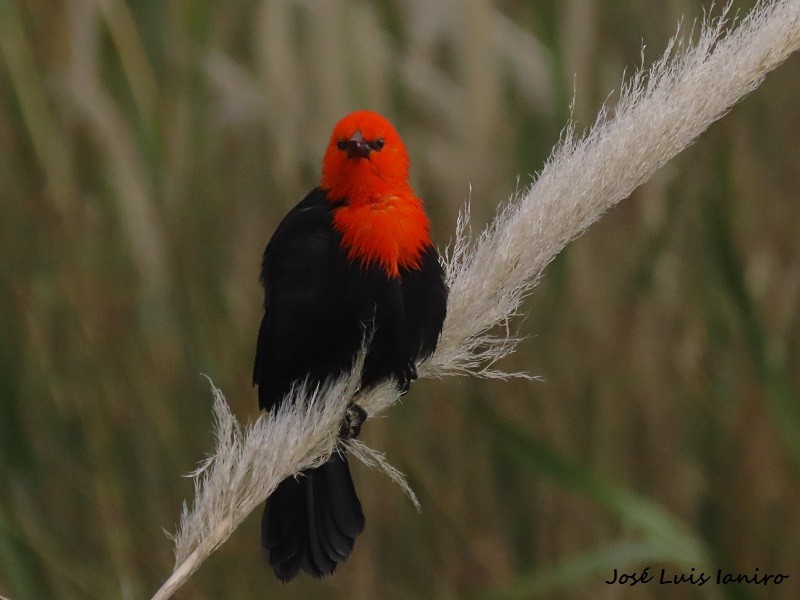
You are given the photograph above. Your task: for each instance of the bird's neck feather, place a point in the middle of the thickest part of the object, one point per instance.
(383, 226)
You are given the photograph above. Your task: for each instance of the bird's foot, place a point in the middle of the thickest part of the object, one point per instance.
(354, 417)
(408, 375)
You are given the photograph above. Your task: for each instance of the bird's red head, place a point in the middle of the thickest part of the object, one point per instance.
(364, 159)
(365, 168)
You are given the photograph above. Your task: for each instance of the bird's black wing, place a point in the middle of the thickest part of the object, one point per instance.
(425, 299)
(299, 337)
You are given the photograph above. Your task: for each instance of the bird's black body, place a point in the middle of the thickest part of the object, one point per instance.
(319, 303)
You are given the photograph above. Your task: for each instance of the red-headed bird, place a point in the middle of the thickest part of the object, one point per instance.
(354, 255)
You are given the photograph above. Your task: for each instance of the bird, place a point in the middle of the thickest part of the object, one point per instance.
(354, 256)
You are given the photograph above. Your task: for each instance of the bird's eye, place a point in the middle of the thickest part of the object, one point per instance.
(377, 145)
(342, 145)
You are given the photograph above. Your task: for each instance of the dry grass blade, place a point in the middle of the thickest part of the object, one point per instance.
(377, 460)
(660, 112)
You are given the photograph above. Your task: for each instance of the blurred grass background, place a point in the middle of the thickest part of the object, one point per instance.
(147, 151)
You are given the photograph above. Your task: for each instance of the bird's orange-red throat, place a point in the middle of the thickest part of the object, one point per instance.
(380, 219)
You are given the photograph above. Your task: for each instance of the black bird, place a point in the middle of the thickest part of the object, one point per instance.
(354, 255)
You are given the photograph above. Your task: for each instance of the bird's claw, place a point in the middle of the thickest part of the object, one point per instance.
(354, 417)
(408, 375)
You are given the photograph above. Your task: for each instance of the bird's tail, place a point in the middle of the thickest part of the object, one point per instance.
(311, 522)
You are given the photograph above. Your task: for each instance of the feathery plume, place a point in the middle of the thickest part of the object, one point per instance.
(250, 462)
(660, 111)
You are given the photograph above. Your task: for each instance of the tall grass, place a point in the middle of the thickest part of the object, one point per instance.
(147, 154)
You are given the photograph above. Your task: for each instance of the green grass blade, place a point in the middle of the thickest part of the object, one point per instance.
(730, 271)
(673, 539)
(601, 561)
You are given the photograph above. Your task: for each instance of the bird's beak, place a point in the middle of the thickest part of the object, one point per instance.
(357, 146)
